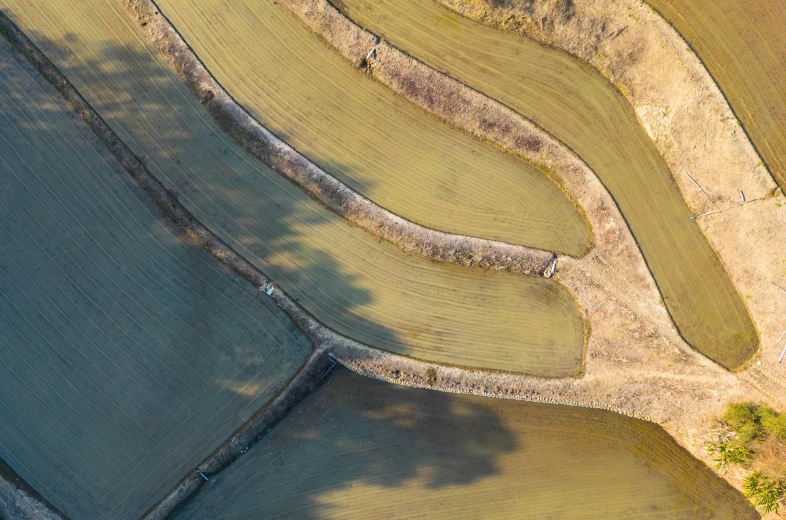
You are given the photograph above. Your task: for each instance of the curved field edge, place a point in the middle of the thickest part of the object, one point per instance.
(712, 341)
(19, 501)
(366, 136)
(752, 30)
(448, 100)
(686, 116)
(359, 448)
(318, 184)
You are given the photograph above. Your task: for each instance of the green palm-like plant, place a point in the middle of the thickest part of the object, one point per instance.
(764, 492)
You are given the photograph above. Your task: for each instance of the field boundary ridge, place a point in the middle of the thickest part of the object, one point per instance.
(18, 498)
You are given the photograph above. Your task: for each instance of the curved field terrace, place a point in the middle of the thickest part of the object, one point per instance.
(422, 258)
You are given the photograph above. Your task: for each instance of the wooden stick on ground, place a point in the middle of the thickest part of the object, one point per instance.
(784, 348)
(702, 190)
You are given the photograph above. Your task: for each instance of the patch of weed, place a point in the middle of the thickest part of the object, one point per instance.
(764, 492)
(745, 429)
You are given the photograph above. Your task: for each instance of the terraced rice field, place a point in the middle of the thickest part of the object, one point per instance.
(573, 102)
(370, 291)
(383, 147)
(128, 353)
(743, 45)
(360, 448)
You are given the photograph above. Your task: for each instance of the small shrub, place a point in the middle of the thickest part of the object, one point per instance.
(431, 376)
(764, 492)
(774, 424)
(744, 418)
(730, 453)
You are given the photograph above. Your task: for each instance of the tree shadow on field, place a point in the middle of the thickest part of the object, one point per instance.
(257, 212)
(359, 445)
(130, 353)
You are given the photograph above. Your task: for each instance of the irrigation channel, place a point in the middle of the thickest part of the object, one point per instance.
(363, 134)
(128, 352)
(369, 291)
(570, 100)
(743, 45)
(359, 448)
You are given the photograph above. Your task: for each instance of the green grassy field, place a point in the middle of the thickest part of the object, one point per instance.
(743, 45)
(383, 147)
(368, 290)
(577, 105)
(360, 448)
(128, 353)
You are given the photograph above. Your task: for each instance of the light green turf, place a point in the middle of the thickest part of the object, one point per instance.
(128, 353)
(370, 291)
(361, 449)
(576, 104)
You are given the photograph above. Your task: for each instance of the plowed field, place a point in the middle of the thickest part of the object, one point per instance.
(367, 290)
(128, 353)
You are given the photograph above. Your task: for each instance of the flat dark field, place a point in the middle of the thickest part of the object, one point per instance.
(128, 353)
